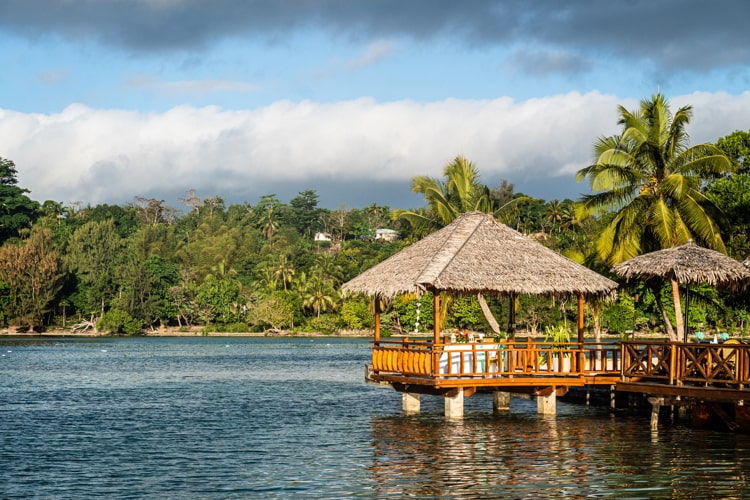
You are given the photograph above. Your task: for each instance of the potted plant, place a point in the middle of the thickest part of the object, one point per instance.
(559, 338)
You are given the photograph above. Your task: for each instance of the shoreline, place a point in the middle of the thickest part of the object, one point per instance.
(199, 332)
(196, 332)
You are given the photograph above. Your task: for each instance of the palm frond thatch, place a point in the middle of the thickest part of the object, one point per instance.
(686, 264)
(477, 254)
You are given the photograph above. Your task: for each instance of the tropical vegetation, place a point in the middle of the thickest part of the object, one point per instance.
(276, 266)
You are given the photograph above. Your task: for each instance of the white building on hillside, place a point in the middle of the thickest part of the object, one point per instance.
(386, 235)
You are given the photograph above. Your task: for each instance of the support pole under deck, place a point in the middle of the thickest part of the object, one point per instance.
(454, 405)
(500, 401)
(410, 403)
(547, 405)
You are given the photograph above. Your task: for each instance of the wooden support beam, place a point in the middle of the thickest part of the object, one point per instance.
(580, 318)
(512, 315)
(376, 308)
(436, 314)
(469, 391)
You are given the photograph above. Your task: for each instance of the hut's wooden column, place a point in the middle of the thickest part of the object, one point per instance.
(512, 315)
(377, 319)
(580, 317)
(436, 316)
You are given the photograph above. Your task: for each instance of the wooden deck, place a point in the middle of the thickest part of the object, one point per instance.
(702, 371)
(713, 372)
(421, 366)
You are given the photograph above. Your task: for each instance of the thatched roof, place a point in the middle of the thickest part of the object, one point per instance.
(688, 263)
(474, 254)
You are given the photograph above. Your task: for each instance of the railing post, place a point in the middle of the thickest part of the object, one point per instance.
(673, 364)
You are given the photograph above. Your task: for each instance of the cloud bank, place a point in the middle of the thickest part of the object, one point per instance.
(354, 152)
(689, 35)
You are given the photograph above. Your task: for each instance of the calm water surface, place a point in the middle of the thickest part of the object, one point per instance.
(292, 418)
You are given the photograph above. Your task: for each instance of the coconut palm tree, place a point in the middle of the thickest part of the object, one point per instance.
(318, 294)
(554, 215)
(284, 271)
(651, 179)
(460, 192)
(648, 179)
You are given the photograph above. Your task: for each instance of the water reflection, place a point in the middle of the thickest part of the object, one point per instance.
(528, 456)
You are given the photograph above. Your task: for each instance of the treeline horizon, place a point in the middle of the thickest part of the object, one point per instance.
(140, 266)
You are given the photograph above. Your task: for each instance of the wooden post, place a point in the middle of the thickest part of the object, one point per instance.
(580, 318)
(436, 314)
(512, 315)
(580, 324)
(377, 319)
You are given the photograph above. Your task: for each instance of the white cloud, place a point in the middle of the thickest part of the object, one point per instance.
(110, 156)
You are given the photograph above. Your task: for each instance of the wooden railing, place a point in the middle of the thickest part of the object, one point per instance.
(724, 365)
(423, 358)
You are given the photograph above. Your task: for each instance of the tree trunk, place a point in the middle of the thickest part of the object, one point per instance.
(678, 311)
(664, 315)
(488, 314)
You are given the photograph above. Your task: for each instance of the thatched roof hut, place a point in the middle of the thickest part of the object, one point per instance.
(688, 263)
(474, 254)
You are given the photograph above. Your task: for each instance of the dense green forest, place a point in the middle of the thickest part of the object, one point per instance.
(255, 267)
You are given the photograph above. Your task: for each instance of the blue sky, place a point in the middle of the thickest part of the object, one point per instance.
(102, 101)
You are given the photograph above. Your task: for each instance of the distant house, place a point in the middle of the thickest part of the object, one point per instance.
(386, 235)
(322, 237)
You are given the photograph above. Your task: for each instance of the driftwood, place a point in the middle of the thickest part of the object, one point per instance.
(84, 326)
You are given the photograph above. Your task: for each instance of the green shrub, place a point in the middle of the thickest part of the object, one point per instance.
(356, 314)
(118, 321)
(326, 323)
(465, 312)
(620, 316)
(414, 314)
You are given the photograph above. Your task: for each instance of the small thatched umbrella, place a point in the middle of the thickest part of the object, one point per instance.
(685, 264)
(477, 254)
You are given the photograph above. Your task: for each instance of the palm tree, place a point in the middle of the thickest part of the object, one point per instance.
(319, 294)
(326, 266)
(461, 192)
(649, 179)
(268, 222)
(554, 215)
(284, 271)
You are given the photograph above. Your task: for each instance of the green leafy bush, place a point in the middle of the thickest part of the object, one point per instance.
(356, 314)
(326, 323)
(118, 321)
(465, 312)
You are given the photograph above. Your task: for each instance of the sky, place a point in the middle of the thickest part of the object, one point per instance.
(102, 101)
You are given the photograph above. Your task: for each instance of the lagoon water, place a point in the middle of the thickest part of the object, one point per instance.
(207, 417)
